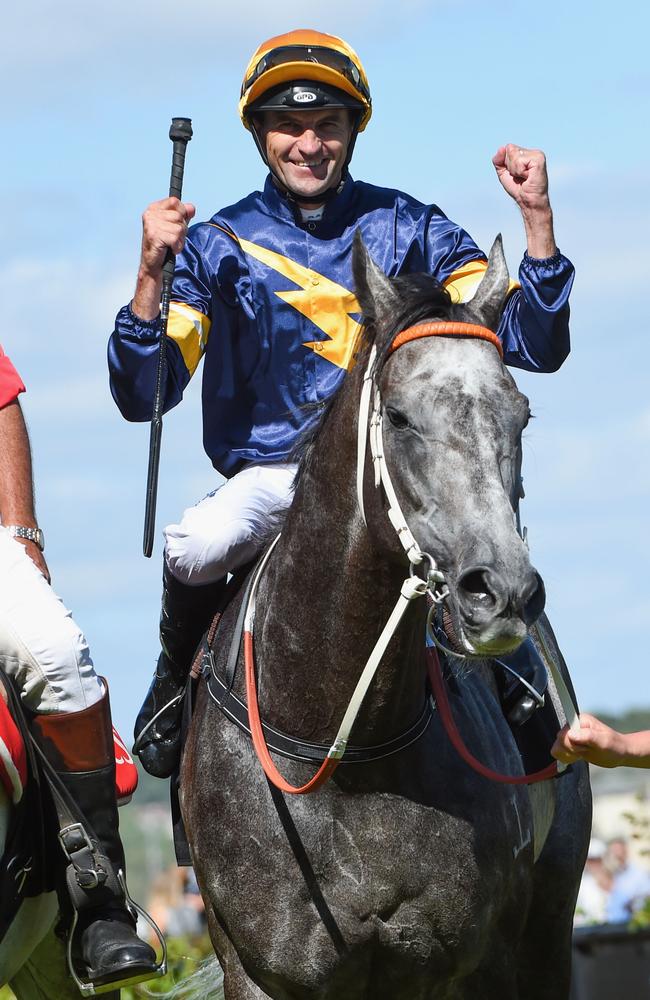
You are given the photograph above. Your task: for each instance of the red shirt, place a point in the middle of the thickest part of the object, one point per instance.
(11, 384)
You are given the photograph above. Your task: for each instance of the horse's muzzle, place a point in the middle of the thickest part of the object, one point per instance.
(495, 610)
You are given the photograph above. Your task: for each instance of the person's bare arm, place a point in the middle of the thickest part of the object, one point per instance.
(164, 225)
(522, 173)
(16, 482)
(600, 744)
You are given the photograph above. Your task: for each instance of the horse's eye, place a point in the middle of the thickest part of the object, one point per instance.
(397, 419)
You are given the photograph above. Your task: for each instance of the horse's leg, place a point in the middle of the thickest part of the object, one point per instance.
(544, 966)
(494, 979)
(236, 984)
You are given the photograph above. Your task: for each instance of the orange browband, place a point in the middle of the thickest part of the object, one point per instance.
(446, 329)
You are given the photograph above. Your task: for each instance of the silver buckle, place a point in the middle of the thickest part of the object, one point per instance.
(87, 878)
(77, 828)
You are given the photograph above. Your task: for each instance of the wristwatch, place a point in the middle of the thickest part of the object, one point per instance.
(31, 534)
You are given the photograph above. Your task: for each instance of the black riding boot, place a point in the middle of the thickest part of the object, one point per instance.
(105, 947)
(185, 615)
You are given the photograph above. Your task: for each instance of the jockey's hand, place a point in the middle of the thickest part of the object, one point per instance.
(164, 226)
(36, 556)
(522, 173)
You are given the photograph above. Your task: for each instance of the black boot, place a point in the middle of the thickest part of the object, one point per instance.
(106, 949)
(185, 615)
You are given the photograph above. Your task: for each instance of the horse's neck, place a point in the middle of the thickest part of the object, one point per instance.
(323, 603)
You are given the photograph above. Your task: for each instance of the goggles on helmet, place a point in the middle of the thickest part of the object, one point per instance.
(319, 54)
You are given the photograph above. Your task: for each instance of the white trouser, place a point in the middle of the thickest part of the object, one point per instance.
(227, 528)
(41, 647)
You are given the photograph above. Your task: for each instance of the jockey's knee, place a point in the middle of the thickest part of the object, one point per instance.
(54, 670)
(197, 556)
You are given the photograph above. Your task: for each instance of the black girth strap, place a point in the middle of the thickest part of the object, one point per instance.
(288, 746)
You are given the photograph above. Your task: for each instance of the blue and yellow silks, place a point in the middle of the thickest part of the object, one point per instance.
(268, 302)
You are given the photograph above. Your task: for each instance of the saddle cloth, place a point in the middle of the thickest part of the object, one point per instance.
(126, 773)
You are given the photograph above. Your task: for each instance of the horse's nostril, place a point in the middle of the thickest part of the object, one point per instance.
(475, 585)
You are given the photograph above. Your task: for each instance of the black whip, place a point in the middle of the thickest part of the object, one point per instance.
(180, 134)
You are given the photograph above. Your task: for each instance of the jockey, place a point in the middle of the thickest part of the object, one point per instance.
(46, 655)
(263, 291)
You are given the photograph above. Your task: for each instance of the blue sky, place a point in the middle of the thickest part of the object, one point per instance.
(89, 93)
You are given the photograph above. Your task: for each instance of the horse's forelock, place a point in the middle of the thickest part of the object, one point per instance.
(421, 299)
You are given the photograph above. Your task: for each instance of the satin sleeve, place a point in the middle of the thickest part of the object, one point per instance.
(534, 327)
(133, 347)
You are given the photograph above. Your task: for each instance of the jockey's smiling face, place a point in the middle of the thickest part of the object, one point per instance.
(306, 150)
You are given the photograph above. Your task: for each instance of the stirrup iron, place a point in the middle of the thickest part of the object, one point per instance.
(88, 988)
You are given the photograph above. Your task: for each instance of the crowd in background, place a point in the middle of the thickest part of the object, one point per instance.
(176, 904)
(613, 887)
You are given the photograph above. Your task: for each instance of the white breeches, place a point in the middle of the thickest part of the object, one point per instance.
(41, 647)
(225, 530)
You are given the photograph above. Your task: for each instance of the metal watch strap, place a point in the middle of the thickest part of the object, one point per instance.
(30, 534)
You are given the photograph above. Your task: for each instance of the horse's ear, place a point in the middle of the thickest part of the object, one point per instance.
(375, 292)
(491, 294)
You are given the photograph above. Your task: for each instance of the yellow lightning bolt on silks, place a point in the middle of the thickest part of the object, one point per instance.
(322, 301)
(190, 329)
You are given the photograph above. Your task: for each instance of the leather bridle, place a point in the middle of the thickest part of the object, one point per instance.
(414, 586)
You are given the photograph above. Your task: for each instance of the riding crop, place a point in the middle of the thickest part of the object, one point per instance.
(180, 134)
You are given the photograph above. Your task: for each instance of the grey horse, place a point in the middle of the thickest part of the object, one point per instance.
(409, 877)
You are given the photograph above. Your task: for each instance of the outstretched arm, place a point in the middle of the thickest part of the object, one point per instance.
(16, 483)
(602, 745)
(522, 173)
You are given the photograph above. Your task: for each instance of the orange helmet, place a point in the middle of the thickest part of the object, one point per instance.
(281, 71)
